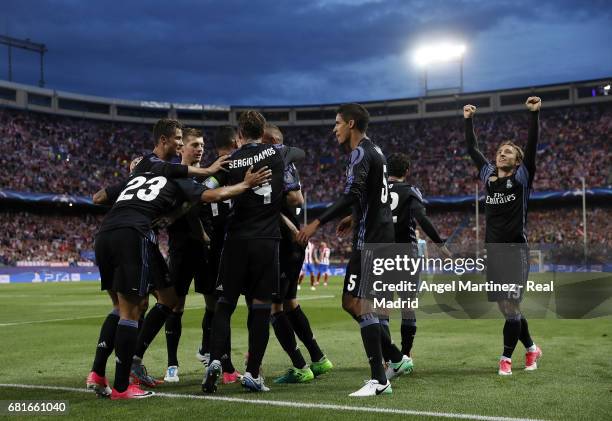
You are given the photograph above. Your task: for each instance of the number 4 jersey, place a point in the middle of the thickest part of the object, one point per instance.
(256, 213)
(367, 183)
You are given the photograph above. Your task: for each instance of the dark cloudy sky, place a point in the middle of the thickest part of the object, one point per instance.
(300, 52)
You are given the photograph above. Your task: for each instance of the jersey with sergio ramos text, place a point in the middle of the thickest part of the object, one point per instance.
(256, 213)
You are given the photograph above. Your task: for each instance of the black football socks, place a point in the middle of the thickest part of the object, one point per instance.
(286, 337)
(301, 327)
(174, 327)
(106, 342)
(125, 346)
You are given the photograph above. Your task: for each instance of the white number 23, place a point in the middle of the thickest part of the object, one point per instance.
(148, 193)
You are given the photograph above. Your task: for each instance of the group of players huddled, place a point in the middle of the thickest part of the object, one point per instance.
(234, 230)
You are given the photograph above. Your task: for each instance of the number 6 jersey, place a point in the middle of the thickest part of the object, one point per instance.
(368, 186)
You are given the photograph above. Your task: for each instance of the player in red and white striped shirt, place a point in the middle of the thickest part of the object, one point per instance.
(323, 267)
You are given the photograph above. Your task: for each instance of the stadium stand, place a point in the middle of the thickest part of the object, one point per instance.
(48, 152)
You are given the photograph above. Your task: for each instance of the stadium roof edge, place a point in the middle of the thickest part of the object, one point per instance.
(17, 95)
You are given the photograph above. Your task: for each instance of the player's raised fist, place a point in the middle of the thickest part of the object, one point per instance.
(533, 103)
(469, 111)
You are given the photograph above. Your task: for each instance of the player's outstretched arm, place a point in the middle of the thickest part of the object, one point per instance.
(108, 195)
(533, 104)
(470, 137)
(428, 227)
(251, 179)
(335, 210)
(295, 198)
(294, 155)
(100, 197)
(344, 226)
(291, 226)
(215, 167)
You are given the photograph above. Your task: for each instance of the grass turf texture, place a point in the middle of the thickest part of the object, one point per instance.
(455, 363)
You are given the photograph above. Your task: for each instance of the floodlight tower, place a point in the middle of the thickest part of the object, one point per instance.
(24, 44)
(440, 53)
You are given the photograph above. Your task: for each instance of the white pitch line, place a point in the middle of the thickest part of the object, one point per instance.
(291, 404)
(49, 321)
(315, 297)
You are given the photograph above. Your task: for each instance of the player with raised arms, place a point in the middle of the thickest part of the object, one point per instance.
(508, 185)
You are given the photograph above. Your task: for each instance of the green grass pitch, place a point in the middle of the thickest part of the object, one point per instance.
(48, 335)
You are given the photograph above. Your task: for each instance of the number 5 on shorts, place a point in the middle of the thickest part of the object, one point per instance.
(351, 283)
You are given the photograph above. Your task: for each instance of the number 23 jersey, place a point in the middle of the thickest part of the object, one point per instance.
(145, 197)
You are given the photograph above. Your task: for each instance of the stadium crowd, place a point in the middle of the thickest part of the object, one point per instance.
(56, 154)
(27, 236)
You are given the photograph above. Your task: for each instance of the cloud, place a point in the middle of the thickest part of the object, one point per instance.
(270, 52)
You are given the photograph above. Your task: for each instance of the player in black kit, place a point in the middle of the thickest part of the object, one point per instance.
(249, 261)
(288, 319)
(168, 135)
(508, 185)
(367, 192)
(126, 247)
(408, 209)
(188, 255)
(215, 219)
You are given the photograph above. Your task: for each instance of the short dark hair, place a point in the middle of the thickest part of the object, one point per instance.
(192, 131)
(398, 164)
(274, 132)
(520, 155)
(224, 137)
(251, 124)
(357, 113)
(165, 127)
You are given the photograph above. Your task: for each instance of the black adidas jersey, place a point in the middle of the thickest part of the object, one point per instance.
(291, 180)
(147, 196)
(506, 205)
(256, 213)
(506, 200)
(153, 164)
(185, 229)
(405, 201)
(367, 183)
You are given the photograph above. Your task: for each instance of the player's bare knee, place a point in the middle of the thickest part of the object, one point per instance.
(350, 305)
(277, 308)
(289, 305)
(114, 299)
(129, 306)
(180, 305)
(510, 309)
(408, 314)
(167, 297)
